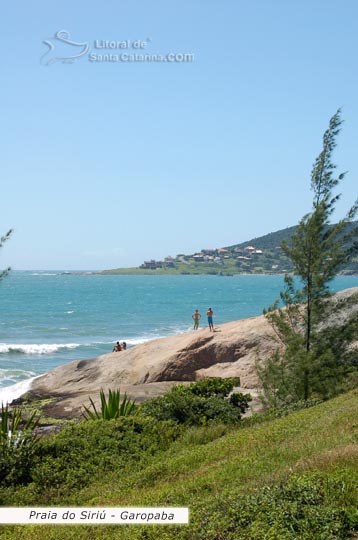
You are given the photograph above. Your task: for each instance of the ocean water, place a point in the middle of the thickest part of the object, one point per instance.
(50, 318)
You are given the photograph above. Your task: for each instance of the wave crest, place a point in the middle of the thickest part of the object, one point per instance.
(35, 348)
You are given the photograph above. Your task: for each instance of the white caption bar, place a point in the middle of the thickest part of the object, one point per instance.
(95, 516)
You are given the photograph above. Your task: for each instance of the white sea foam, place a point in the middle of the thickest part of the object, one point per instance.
(9, 393)
(137, 341)
(43, 274)
(14, 374)
(35, 348)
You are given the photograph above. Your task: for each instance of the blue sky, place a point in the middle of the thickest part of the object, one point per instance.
(105, 164)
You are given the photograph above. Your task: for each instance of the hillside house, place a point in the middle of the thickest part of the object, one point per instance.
(169, 262)
(152, 264)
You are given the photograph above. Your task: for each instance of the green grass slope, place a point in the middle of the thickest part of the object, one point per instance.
(289, 478)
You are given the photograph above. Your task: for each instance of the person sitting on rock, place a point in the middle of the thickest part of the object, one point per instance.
(117, 347)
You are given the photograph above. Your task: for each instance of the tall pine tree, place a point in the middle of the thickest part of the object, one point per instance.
(317, 250)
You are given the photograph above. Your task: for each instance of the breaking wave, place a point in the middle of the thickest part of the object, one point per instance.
(9, 393)
(34, 348)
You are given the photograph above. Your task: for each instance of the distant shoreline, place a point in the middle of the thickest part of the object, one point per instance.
(161, 272)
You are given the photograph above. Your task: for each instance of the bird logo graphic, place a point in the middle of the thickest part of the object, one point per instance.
(62, 49)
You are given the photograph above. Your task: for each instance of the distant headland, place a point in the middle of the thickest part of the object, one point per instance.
(261, 255)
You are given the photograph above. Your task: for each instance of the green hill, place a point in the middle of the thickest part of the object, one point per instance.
(262, 255)
(268, 241)
(288, 478)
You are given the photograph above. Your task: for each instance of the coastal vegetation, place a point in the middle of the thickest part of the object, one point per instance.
(18, 442)
(287, 474)
(315, 359)
(200, 403)
(111, 408)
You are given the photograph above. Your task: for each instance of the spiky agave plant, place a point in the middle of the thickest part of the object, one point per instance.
(111, 409)
(15, 432)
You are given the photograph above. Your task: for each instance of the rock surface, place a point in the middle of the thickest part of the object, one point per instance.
(150, 369)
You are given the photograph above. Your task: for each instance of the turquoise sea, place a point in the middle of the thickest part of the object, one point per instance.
(50, 318)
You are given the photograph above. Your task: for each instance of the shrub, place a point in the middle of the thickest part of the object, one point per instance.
(199, 403)
(72, 457)
(214, 386)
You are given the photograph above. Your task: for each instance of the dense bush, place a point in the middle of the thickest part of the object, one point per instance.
(72, 457)
(214, 386)
(94, 447)
(199, 403)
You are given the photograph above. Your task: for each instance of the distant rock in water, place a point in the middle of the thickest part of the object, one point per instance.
(150, 369)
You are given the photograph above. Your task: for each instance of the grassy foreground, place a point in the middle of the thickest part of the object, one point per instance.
(294, 477)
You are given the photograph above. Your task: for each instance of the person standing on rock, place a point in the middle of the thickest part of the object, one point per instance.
(196, 316)
(210, 314)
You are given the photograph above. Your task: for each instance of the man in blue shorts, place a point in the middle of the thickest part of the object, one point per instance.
(210, 314)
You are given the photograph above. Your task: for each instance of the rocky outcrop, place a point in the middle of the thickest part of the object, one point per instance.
(150, 369)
